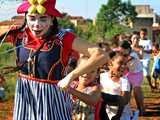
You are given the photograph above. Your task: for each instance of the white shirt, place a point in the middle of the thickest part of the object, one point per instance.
(135, 65)
(111, 87)
(147, 45)
(114, 88)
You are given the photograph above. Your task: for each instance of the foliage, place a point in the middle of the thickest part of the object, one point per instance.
(7, 58)
(7, 54)
(10, 85)
(65, 22)
(117, 29)
(101, 25)
(89, 33)
(115, 12)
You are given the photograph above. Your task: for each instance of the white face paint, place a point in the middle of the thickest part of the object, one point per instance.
(39, 24)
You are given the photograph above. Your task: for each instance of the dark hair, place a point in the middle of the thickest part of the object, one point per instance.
(100, 44)
(144, 30)
(55, 28)
(134, 33)
(72, 62)
(114, 54)
(156, 44)
(125, 44)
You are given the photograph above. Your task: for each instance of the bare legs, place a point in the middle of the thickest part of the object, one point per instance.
(150, 83)
(138, 94)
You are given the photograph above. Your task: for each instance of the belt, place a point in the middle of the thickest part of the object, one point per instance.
(37, 79)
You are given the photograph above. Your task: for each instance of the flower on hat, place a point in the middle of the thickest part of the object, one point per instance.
(40, 6)
(36, 6)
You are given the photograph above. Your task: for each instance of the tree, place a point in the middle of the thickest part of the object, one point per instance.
(115, 12)
(65, 22)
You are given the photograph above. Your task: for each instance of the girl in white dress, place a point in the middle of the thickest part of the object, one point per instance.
(115, 89)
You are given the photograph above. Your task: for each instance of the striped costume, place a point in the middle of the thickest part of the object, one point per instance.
(37, 95)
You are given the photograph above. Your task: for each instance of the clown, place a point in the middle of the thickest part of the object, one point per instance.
(42, 52)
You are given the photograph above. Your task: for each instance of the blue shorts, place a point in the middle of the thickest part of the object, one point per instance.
(156, 73)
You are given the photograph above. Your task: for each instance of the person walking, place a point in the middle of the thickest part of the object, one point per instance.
(147, 50)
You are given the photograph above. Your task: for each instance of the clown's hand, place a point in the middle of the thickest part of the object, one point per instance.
(64, 83)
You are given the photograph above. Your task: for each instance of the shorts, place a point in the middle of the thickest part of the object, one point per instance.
(156, 73)
(146, 67)
(135, 79)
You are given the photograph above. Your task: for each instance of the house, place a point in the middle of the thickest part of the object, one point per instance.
(77, 20)
(146, 18)
(16, 21)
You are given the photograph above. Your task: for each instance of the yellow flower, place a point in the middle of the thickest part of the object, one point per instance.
(32, 2)
(32, 9)
(40, 9)
(36, 7)
(41, 1)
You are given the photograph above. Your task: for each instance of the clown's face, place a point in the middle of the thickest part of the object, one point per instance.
(39, 24)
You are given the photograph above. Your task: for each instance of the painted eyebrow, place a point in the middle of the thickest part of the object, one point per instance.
(31, 15)
(43, 17)
(35, 16)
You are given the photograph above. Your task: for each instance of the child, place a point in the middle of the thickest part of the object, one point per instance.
(156, 64)
(99, 100)
(147, 50)
(135, 45)
(135, 73)
(88, 90)
(115, 89)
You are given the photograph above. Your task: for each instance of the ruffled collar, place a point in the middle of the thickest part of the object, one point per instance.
(33, 42)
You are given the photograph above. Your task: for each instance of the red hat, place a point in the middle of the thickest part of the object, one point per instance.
(41, 6)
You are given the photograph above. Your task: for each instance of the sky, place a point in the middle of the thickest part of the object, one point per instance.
(89, 9)
(85, 8)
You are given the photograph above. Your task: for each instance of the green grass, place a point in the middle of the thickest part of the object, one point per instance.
(7, 58)
(146, 88)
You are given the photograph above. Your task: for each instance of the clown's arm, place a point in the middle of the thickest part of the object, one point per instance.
(96, 56)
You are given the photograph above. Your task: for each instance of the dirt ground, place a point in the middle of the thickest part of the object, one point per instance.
(6, 110)
(152, 104)
(152, 108)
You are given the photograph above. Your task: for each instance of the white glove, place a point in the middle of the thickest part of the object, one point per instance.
(64, 83)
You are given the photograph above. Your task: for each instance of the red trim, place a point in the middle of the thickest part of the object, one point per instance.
(52, 68)
(37, 80)
(97, 110)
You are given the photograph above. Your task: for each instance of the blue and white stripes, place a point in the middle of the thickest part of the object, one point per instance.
(41, 101)
(60, 36)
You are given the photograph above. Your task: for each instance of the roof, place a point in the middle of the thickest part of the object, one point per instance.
(76, 17)
(146, 15)
(16, 20)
